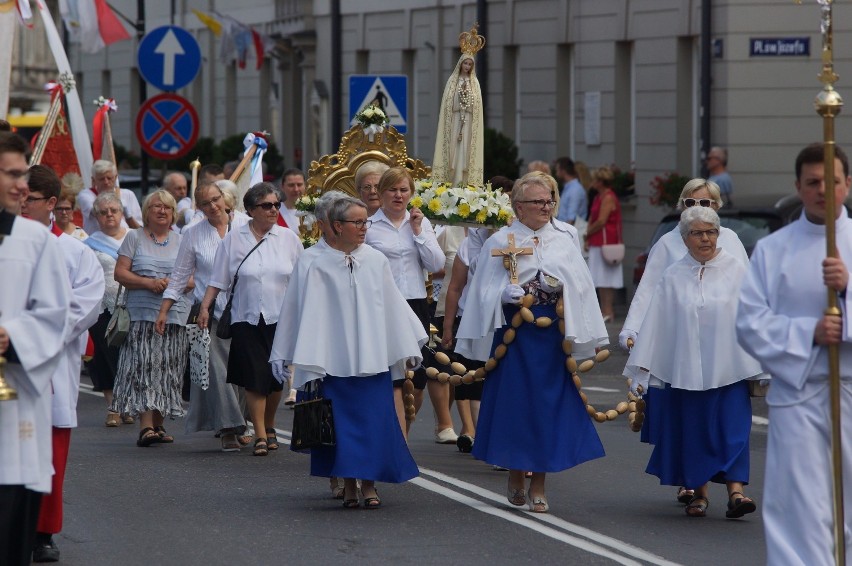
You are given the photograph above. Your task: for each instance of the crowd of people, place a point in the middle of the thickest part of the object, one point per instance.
(349, 319)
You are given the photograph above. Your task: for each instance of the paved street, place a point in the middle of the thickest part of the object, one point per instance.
(189, 503)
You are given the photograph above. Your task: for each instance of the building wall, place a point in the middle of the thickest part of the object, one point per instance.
(545, 59)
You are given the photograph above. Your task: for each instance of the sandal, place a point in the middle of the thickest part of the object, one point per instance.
(244, 439)
(685, 495)
(112, 420)
(147, 437)
(371, 502)
(260, 447)
(516, 497)
(271, 439)
(697, 506)
(229, 443)
(739, 506)
(349, 503)
(127, 419)
(162, 436)
(538, 504)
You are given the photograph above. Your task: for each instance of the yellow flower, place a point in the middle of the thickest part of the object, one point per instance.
(440, 190)
(435, 205)
(464, 210)
(482, 216)
(503, 214)
(417, 202)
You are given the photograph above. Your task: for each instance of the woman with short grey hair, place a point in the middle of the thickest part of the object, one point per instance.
(367, 182)
(263, 254)
(689, 356)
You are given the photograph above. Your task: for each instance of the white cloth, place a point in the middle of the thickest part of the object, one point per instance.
(691, 341)
(86, 278)
(555, 255)
(86, 200)
(290, 217)
(408, 254)
(450, 238)
(33, 305)
(604, 274)
(195, 257)
(781, 300)
(353, 301)
(100, 243)
(264, 275)
(669, 249)
(184, 209)
(477, 238)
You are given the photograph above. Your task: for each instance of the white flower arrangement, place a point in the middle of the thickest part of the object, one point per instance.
(473, 205)
(306, 203)
(372, 116)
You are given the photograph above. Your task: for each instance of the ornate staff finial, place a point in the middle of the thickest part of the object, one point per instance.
(470, 41)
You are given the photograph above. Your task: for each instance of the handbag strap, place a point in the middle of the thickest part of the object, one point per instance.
(118, 296)
(237, 272)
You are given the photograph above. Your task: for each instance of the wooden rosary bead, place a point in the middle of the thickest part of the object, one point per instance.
(586, 365)
(442, 358)
(527, 314)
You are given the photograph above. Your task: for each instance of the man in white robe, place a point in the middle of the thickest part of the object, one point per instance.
(86, 278)
(781, 323)
(34, 299)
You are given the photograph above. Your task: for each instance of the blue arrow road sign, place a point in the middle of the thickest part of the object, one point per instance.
(168, 58)
(389, 92)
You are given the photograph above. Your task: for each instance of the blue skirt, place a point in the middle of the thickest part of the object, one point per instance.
(531, 417)
(651, 424)
(702, 436)
(370, 445)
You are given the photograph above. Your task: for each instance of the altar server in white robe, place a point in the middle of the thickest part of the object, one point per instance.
(531, 416)
(347, 294)
(86, 278)
(782, 323)
(669, 249)
(689, 354)
(33, 304)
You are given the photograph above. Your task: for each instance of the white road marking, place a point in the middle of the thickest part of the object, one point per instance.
(601, 389)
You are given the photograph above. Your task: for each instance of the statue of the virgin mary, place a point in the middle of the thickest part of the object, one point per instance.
(459, 142)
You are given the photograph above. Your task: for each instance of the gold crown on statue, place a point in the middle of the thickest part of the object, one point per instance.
(470, 41)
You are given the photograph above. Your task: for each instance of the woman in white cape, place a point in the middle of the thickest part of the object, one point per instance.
(344, 322)
(688, 352)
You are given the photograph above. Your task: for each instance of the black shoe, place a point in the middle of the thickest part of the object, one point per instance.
(46, 551)
(464, 443)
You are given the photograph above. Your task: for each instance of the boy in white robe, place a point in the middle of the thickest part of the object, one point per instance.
(781, 322)
(33, 303)
(86, 278)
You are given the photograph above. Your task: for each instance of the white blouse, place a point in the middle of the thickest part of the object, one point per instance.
(408, 254)
(264, 276)
(195, 257)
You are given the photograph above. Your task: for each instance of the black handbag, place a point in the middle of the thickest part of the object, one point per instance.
(313, 420)
(223, 328)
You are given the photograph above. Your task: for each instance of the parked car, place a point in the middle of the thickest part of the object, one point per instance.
(752, 218)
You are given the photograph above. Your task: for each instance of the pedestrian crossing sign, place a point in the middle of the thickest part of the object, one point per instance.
(388, 92)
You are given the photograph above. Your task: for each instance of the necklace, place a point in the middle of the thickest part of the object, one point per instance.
(253, 231)
(162, 244)
(465, 104)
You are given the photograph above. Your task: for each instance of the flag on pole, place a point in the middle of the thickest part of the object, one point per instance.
(92, 24)
(238, 38)
(209, 21)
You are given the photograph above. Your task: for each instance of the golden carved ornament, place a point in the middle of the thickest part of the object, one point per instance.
(470, 41)
(337, 170)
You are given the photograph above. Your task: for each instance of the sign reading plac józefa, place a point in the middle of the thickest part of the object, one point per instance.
(779, 47)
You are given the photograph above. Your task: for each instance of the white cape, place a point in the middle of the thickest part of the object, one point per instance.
(345, 322)
(688, 336)
(556, 255)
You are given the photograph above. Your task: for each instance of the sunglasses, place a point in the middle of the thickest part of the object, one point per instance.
(690, 202)
(267, 206)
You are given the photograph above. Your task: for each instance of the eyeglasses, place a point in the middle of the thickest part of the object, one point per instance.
(267, 206)
(369, 188)
(17, 175)
(63, 209)
(690, 202)
(36, 199)
(105, 211)
(541, 203)
(359, 223)
(206, 203)
(161, 207)
(712, 233)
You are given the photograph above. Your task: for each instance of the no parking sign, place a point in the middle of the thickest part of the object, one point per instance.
(167, 126)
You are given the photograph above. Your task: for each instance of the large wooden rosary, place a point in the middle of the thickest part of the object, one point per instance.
(456, 373)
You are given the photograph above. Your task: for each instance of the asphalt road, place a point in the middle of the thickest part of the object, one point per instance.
(190, 503)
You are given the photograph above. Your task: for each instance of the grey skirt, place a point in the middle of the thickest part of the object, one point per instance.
(150, 370)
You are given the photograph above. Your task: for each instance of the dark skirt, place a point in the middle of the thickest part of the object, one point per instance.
(421, 310)
(104, 362)
(248, 360)
(651, 424)
(702, 436)
(370, 445)
(463, 392)
(532, 417)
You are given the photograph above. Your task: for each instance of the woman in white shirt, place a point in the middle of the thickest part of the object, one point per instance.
(218, 407)
(270, 252)
(408, 241)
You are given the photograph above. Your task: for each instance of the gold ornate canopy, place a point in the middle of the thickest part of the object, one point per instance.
(337, 170)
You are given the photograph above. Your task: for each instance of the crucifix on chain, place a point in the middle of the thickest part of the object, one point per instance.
(510, 257)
